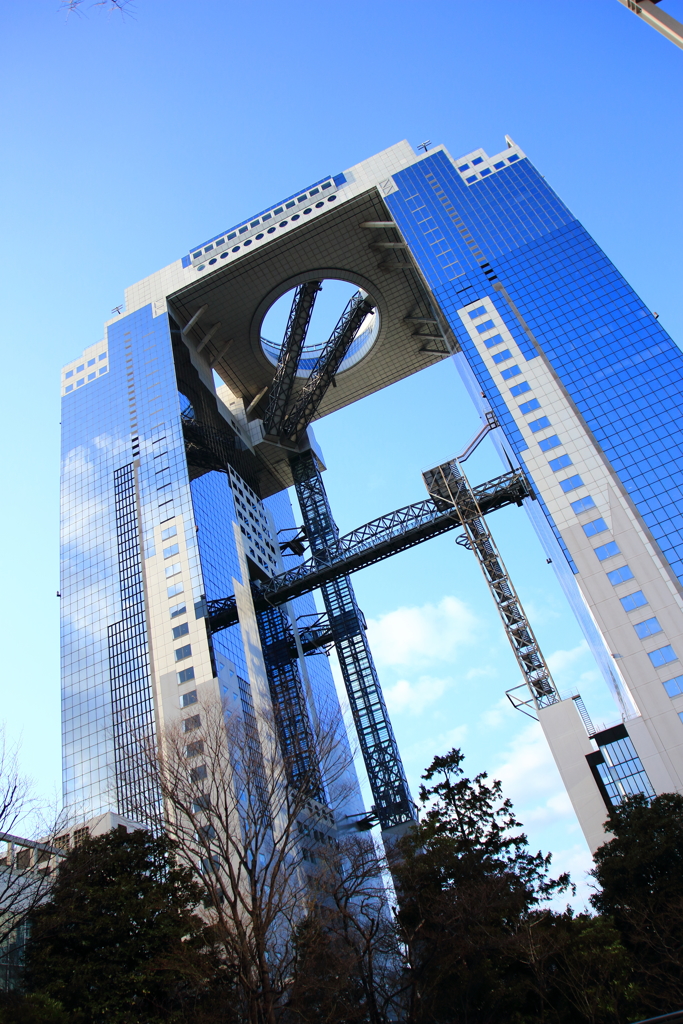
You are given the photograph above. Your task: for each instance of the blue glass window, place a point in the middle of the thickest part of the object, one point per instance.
(68, 374)
(479, 311)
(172, 570)
(571, 483)
(607, 550)
(511, 159)
(486, 326)
(493, 341)
(464, 167)
(91, 362)
(196, 255)
(501, 163)
(549, 442)
(171, 531)
(583, 504)
(183, 652)
(182, 630)
(674, 686)
(186, 676)
(472, 178)
(529, 406)
(648, 627)
(178, 609)
(177, 588)
(539, 424)
(619, 575)
(501, 356)
(512, 371)
(102, 355)
(596, 526)
(635, 600)
(519, 389)
(487, 170)
(91, 376)
(188, 698)
(662, 656)
(171, 551)
(69, 387)
(477, 160)
(559, 463)
(103, 369)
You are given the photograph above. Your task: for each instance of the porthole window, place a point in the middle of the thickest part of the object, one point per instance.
(331, 199)
(223, 255)
(318, 205)
(211, 262)
(309, 210)
(236, 248)
(203, 267)
(259, 237)
(295, 217)
(248, 242)
(270, 231)
(282, 224)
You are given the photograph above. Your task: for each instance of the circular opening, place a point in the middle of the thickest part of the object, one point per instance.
(330, 303)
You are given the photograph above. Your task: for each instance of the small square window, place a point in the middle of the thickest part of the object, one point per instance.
(69, 373)
(619, 575)
(183, 652)
(182, 630)
(196, 255)
(571, 483)
(493, 341)
(91, 362)
(171, 531)
(464, 167)
(486, 326)
(529, 406)
(549, 442)
(186, 676)
(171, 551)
(487, 170)
(79, 369)
(479, 311)
(501, 163)
(69, 387)
(477, 160)
(583, 504)
(646, 628)
(176, 589)
(595, 526)
(607, 550)
(172, 570)
(512, 371)
(472, 178)
(511, 159)
(178, 609)
(662, 656)
(102, 356)
(208, 248)
(192, 723)
(199, 773)
(188, 698)
(519, 389)
(501, 356)
(674, 686)
(103, 369)
(80, 382)
(539, 424)
(91, 376)
(560, 463)
(635, 600)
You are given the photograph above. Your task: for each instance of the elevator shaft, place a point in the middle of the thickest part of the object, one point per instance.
(393, 805)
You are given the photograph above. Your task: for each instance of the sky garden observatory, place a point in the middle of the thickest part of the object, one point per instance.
(184, 572)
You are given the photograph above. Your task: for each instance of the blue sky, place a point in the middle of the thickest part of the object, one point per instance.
(128, 140)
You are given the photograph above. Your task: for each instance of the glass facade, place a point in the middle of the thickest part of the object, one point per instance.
(144, 547)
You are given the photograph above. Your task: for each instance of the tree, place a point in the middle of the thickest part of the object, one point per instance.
(640, 873)
(466, 884)
(118, 940)
(347, 966)
(247, 823)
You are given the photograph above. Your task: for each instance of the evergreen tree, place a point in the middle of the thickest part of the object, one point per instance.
(640, 872)
(118, 940)
(466, 883)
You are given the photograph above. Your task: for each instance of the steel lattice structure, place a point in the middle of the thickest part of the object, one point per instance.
(449, 489)
(370, 543)
(393, 803)
(323, 373)
(290, 356)
(289, 701)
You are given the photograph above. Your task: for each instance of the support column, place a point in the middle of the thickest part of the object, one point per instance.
(393, 806)
(289, 703)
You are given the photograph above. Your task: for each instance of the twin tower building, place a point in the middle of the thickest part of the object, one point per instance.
(184, 428)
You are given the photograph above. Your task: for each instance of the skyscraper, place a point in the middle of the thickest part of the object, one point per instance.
(184, 427)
